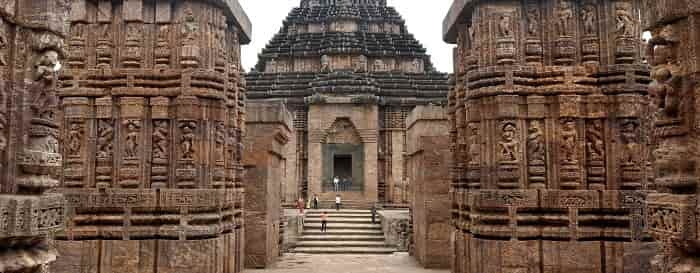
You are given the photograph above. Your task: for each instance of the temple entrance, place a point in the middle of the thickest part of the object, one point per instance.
(342, 168)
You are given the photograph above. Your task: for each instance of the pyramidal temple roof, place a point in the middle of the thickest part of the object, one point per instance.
(354, 36)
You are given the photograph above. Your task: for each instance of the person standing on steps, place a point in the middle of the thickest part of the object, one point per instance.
(374, 213)
(315, 201)
(336, 181)
(300, 205)
(337, 202)
(324, 221)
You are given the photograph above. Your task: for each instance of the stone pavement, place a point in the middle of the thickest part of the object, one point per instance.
(305, 263)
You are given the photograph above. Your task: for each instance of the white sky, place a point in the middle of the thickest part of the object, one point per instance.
(423, 19)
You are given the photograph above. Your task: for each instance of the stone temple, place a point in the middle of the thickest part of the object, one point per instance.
(350, 72)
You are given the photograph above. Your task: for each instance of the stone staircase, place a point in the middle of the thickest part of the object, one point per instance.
(349, 232)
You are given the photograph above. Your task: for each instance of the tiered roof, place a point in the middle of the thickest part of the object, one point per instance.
(392, 86)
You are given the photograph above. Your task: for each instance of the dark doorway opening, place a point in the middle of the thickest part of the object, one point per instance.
(342, 168)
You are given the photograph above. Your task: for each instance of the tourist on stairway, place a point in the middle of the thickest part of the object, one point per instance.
(374, 213)
(337, 202)
(300, 205)
(315, 200)
(324, 221)
(336, 181)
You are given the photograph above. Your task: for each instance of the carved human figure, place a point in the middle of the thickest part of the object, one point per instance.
(160, 139)
(564, 15)
(474, 145)
(379, 65)
(190, 28)
(325, 63)
(594, 136)
(533, 21)
(132, 139)
(361, 64)
(105, 136)
(509, 144)
(505, 27)
(535, 142)
(624, 24)
(3, 43)
(589, 19)
(417, 65)
(187, 140)
(220, 140)
(45, 68)
(568, 143)
(3, 140)
(628, 134)
(75, 139)
(664, 89)
(163, 34)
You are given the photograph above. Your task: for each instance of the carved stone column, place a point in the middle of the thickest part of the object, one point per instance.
(674, 213)
(152, 106)
(554, 148)
(31, 48)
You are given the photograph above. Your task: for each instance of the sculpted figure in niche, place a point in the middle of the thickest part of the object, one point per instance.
(624, 22)
(474, 145)
(160, 139)
(75, 137)
(589, 19)
(532, 21)
(325, 63)
(105, 136)
(595, 144)
(378, 65)
(45, 68)
(569, 138)
(564, 14)
(3, 140)
(3, 43)
(132, 139)
(361, 64)
(628, 133)
(187, 140)
(509, 143)
(190, 28)
(505, 26)
(535, 142)
(664, 89)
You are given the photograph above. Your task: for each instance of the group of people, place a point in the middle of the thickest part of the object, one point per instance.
(344, 184)
(313, 203)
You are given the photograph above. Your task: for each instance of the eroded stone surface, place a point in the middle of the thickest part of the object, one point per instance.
(549, 125)
(305, 263)
(153, 111)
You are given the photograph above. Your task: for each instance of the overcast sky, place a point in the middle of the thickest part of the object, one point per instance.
(424, 20)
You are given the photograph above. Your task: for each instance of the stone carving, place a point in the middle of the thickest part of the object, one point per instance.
(505, 26)
(595, 145)
(569, 141)
(590, 20)
(575, 130)
(131, 143)
(75, 139)
(665, 87)
(3, 43)
(161, 139)
(564, 14)
(187, 139)
(474, 144)
(220, 140)
(533, 21)
(325, 64)
(509, 145)
(624, 24)
(105, 137)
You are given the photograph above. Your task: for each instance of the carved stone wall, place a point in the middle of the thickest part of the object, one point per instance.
(549, 131)
(674, 213)
(152, 104)
(429, 179)
(31, 51)
(268, 133)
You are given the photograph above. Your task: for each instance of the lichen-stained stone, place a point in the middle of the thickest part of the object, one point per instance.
(550, 134)
(31, 55)
(348, 69)
(153, 111)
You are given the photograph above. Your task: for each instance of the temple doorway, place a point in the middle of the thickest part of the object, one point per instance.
(342, 168)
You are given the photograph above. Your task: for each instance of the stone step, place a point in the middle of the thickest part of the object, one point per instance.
(342, 211)
(343, 215)
(343, 226)
(336, 237)
(343, 232)
(329, 244)
(332, 220)
(345, 250)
